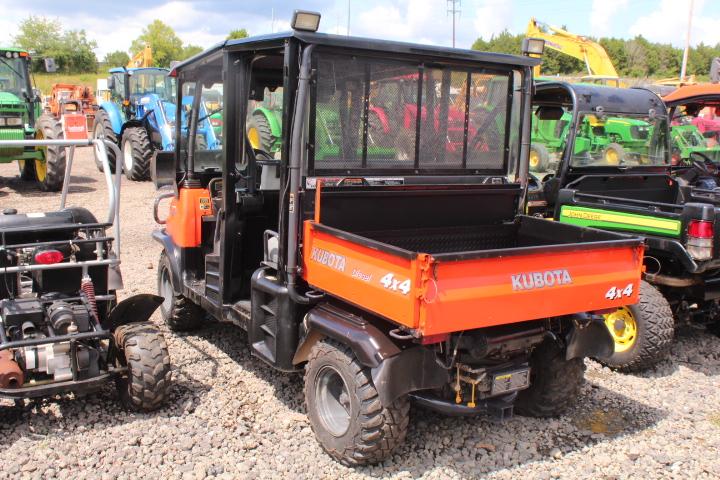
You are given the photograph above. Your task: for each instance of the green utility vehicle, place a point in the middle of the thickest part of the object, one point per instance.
(640, 194)
(21, 118)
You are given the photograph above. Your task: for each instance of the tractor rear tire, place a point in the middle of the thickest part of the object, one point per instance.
(102, 128)
(142, 349)
(344, 408)
(55, 157)
(179, 313)
(27, 170)
(137, 153)
(259, 123)
(616, 153)
(539, 158)
(655, 327)
(554, 382)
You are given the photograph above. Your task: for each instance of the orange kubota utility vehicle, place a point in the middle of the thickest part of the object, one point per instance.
(74, 104)
(385, 278)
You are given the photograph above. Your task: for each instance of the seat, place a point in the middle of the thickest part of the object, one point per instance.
(63, 218)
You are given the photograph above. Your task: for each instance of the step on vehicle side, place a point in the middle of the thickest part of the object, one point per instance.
(639, 194)
(61, 326)
(372, 274)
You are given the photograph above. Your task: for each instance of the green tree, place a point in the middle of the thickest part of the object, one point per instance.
(117, 58)
(237, 33)
(189, 50)
(71, 49)
(166, 45)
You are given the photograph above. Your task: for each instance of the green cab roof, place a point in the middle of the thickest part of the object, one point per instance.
(13, 49)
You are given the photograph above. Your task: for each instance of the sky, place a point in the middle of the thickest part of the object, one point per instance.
(207, 22)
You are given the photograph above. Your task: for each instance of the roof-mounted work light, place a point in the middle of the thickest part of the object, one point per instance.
(306, 21)
(533, 47)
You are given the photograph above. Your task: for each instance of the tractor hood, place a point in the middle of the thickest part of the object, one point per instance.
(9, 100)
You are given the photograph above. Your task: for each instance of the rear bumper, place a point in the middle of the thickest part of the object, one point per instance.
(500, 408)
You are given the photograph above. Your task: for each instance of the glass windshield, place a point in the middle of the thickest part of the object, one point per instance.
(13, 75)
(157, 82)
(373, 114)
(610, 140)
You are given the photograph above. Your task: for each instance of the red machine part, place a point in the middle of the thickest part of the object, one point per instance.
(11, 375)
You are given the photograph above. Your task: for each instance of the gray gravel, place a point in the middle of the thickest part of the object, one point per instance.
(230, 416)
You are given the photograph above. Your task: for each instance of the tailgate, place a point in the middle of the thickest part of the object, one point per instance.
(453, 292)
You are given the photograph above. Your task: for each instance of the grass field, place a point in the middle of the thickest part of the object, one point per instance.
(44, 81)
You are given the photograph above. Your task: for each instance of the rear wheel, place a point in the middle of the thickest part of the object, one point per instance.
(50, 171)
(179, 313)
(137, 152)
(344, 408)
(614, 154)
(102, 129)
(539, 157)
(259, 133)
(142, 349)
(27, 170)
(554, 382)
(642, 332)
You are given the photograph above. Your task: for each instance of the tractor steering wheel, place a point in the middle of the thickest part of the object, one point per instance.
(705, 164)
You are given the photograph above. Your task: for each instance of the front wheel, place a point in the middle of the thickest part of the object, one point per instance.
(642, 332)
(345, 411)
(137, 152)
(614, 154)
(554, 382)
(179, 313)
(142, 349)
(50, 171)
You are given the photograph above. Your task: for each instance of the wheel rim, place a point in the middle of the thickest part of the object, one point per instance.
(534, 159)
(41, 165)
(166, 291)
(127, 156)
(623, 328)
(333, 401)
(611, 156)
(254, 138)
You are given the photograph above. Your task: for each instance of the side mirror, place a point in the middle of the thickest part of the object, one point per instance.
(111, 82)
(549, 113)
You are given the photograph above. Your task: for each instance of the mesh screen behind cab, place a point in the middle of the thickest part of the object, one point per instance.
(366, 117)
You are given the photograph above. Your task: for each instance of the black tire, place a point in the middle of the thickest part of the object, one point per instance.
(373, 431)
(655, 330)
(554, 382)
(259, 122)
(617, 150)
(179, 313)
(137, 153)
(542, 157)
(142, 349)
(102, 128)
(55, 157)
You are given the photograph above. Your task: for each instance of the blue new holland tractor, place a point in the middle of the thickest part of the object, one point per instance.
(140, 116)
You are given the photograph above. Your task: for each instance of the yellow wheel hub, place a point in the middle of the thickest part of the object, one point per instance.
(623, 328)
(254, 138)
(611, 157)
(534, 159)
(41, 165)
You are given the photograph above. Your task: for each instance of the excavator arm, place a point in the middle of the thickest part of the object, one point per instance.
(596, 59)
(142, 59)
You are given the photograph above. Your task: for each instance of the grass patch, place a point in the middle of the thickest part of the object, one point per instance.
(44, 81)
(715, 419)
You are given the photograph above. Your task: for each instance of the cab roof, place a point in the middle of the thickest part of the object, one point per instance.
(13, 49)
(587, 97)
(131, 70)
(360, 43)
(693, 93)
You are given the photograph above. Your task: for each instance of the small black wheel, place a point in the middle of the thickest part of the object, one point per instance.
(642, 332)
(50, 172)
(137, 153)
(539, 158)
(102, 129)
(142, 349)
(179, 313)
(554, 382)
(344, 408)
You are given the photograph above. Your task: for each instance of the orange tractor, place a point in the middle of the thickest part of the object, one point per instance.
(75, 106)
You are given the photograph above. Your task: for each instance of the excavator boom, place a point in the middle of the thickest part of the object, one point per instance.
(142, 59)
(594, 56)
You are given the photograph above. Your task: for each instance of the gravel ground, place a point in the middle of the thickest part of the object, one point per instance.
(230, 416)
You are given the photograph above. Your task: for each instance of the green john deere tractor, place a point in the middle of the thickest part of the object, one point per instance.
(686, 140)
(21, 118)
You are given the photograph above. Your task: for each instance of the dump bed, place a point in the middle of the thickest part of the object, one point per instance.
(444, 280)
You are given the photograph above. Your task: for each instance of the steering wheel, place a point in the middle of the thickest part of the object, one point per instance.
(705, 164)
(265, 158)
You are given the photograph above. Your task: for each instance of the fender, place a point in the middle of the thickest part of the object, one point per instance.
(394, 371)
(115, 115)
(273, 121)
(589, 337)
(382, 116)
(137, 308)
(173, 255)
